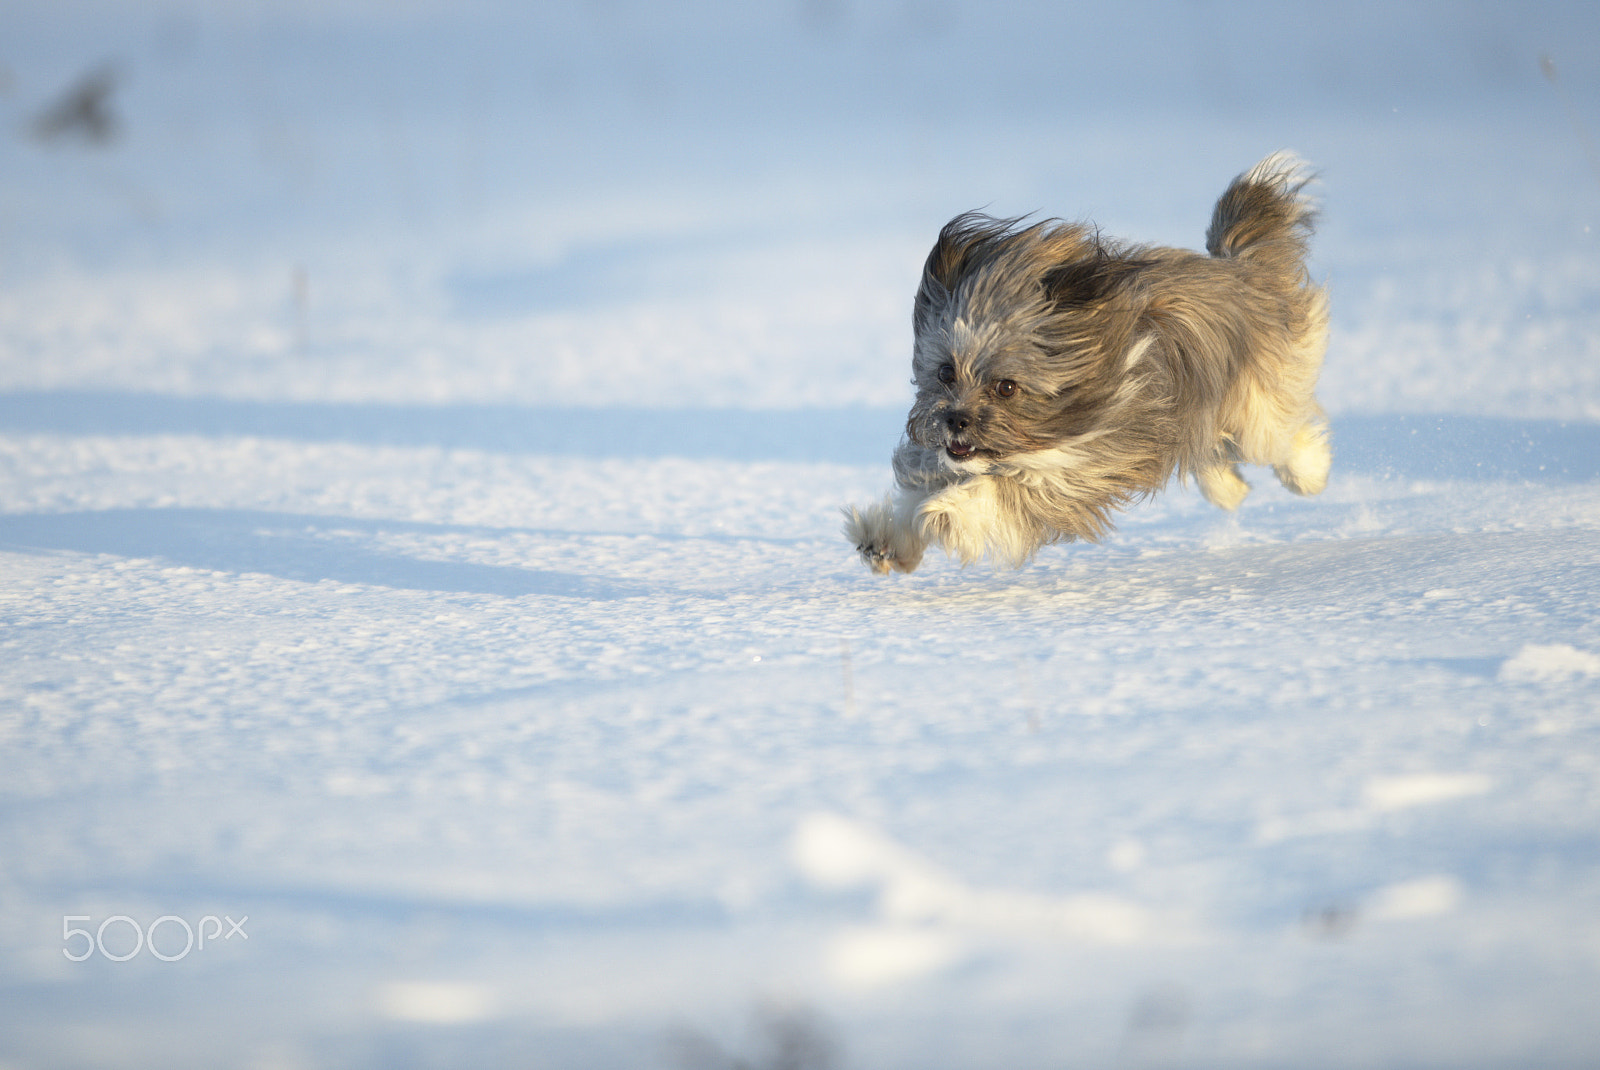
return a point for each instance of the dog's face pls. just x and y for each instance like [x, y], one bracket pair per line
[1020, 336]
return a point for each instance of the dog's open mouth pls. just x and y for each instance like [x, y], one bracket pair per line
[960, 450]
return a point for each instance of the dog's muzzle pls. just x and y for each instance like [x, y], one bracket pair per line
[957, 423]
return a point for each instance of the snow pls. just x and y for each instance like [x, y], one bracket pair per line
[422, 434]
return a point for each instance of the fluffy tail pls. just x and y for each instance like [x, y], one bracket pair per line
[1265, 213]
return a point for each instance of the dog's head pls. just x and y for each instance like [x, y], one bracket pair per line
[1023, 336]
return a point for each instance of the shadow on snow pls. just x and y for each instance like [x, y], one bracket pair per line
[305, 548]
[1444, 447]
[847, 436]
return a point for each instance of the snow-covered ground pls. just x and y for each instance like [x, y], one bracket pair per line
[422, 428]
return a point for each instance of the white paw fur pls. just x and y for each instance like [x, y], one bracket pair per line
[885, 536]
[1223, 486]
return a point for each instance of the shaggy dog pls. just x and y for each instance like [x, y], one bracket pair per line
[1061, 376]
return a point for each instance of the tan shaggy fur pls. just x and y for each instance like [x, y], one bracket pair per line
[1061, 376]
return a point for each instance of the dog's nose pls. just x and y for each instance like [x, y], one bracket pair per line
[957, 422]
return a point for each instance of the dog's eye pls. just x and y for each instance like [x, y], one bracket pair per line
[947, 373]
[1004, 388]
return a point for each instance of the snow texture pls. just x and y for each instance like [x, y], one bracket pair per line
[422, 433]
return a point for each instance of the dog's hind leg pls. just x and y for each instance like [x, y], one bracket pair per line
[1305, 469]
[1222, 484]
[1310, 456]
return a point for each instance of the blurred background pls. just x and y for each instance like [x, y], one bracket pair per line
[415, 199]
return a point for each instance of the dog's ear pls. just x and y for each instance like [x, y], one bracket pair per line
[1090, 277]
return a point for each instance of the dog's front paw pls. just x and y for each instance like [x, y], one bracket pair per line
[876, 558]
[884, 545]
